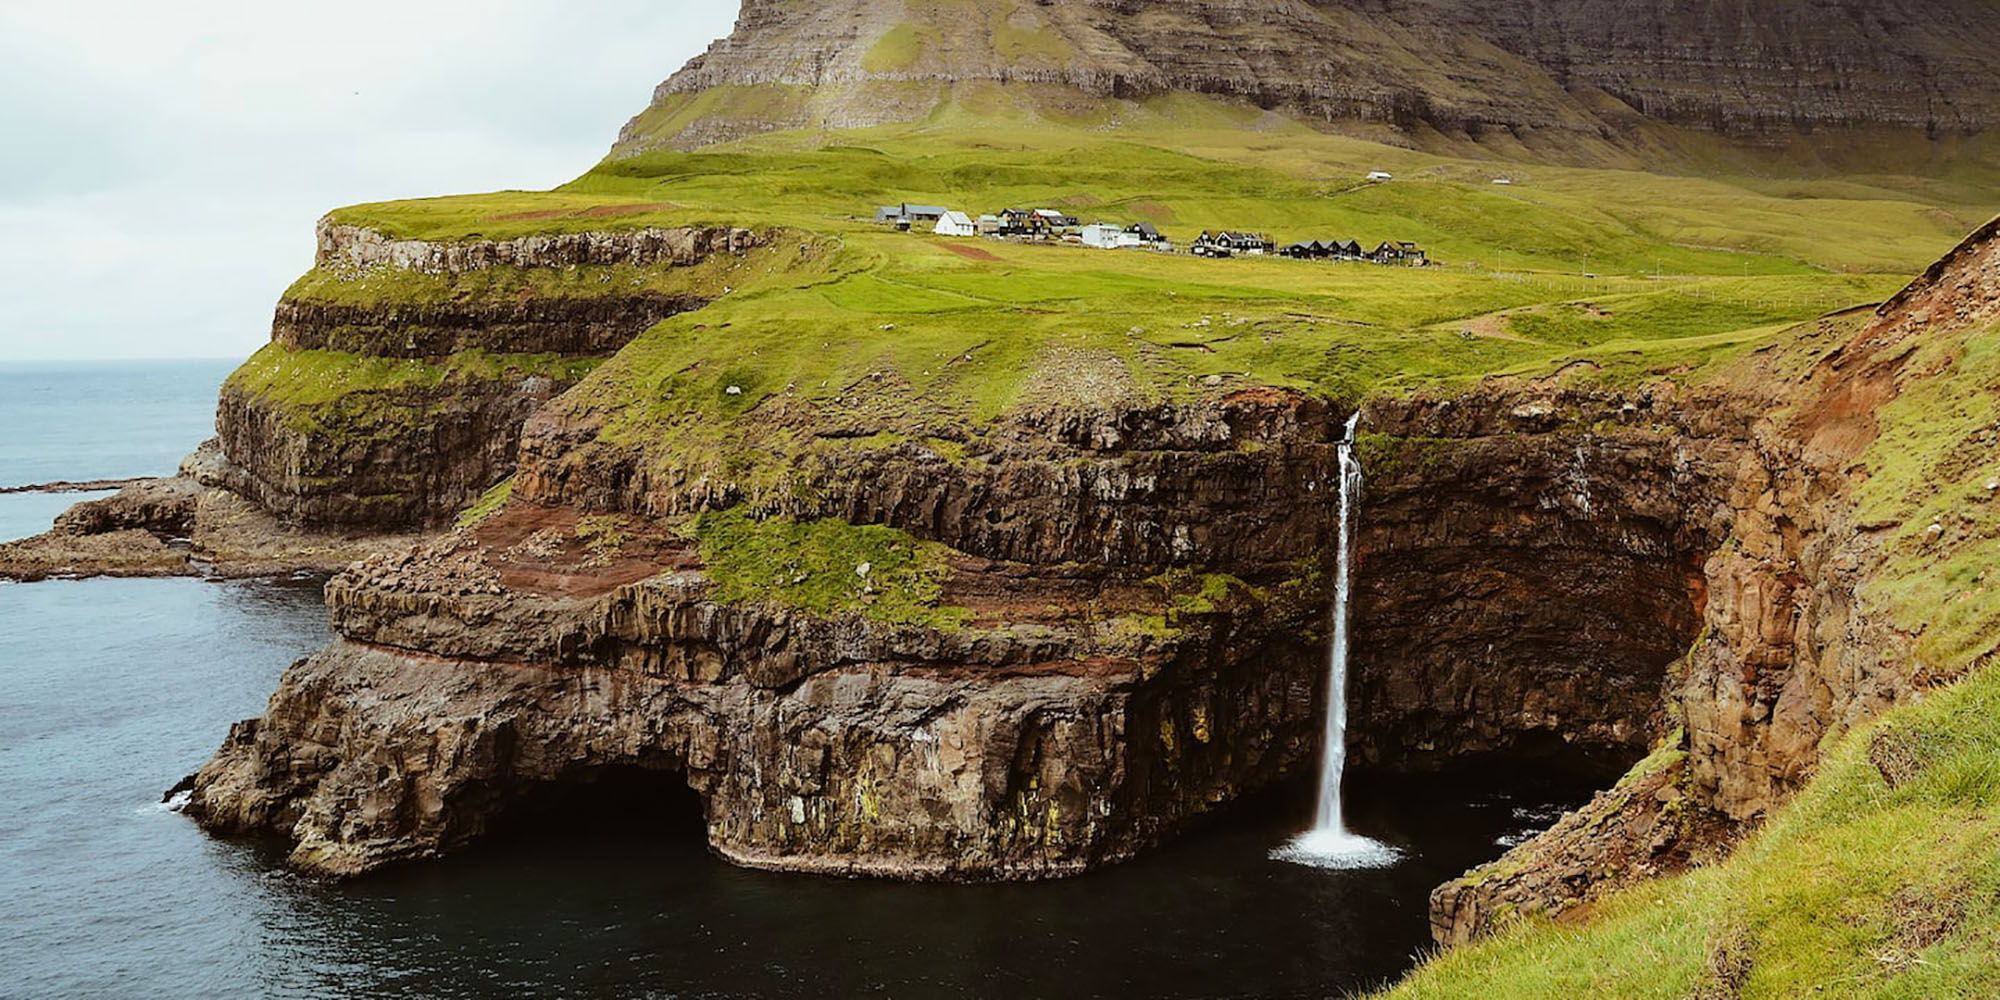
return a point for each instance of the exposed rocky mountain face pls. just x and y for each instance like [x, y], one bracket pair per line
[1793, 649]
[412, 452]
[1585, 68]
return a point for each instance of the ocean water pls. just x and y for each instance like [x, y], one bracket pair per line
[78, 422]
[112, 690]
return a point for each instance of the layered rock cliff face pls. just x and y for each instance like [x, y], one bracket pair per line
[1008, 749]
[1594, 68]
[1530, 566]
[1800, 640]
[1083, 712]
[401, 371]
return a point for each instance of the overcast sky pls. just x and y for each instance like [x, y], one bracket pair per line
[162, 163]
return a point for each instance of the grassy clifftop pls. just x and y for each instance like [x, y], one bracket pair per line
[1633, 275]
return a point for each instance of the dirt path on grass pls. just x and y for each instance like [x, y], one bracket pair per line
[969, 253]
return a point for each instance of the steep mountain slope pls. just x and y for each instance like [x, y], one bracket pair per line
[1552, 73]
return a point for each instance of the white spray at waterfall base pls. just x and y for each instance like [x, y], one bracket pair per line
[1329, 844]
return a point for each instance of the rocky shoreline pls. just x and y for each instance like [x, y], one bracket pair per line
[190, 524]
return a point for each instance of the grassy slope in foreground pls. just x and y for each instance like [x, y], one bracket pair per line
[1855, 890]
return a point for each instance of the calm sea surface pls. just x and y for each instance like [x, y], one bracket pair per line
[110, 691]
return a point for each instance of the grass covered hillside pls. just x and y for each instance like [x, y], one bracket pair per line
[903, 333]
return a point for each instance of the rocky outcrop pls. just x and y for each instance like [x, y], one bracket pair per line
[392, 453]
[593, 327]
[1217, 484]
[379, 458]
[360, 248]
[832, 745]
[1648, 825]
[1585, 69]
[1793, 653]
[187, 525]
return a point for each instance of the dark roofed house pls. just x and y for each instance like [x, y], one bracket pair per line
[1312, 249]
[1229, 244]
[1057, 220]
[1146, 232]
[1401, 252]
[905, 215]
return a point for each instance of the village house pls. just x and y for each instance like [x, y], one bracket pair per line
[1021, 222]
[1399, 252]
[1057, 221]
[989, 225]
[1308, 250]
[1148, 235]
[1108, 237]
[1230, 244]
[954, 223]
[906, 215]
[1325, 250]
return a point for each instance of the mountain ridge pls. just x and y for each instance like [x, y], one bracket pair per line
[1568, 70]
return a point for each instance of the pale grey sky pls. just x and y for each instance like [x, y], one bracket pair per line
[162, 164]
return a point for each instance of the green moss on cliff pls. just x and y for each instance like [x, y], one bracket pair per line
[487, 505]
[1858, 889]
[304, 380]
[828, 567]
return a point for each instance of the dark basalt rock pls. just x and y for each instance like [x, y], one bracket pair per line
[1019, 747]
[575, 327]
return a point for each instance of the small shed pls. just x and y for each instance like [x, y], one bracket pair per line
[1381, 175]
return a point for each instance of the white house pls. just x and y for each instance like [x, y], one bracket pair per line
[956, 224]
[1109, 237]
[1381, 175]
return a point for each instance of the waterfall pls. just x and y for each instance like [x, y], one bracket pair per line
[1328, 844]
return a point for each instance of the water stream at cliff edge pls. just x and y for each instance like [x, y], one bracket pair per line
[1329, 844]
